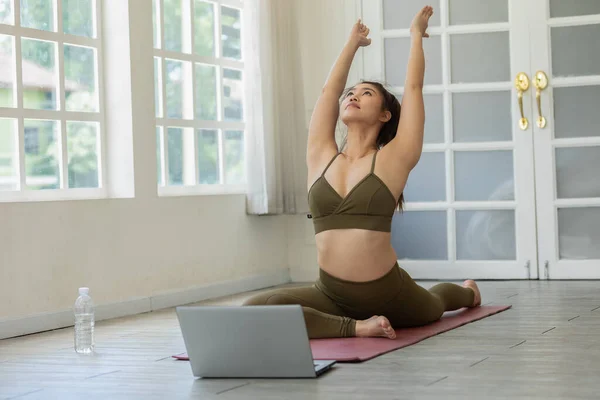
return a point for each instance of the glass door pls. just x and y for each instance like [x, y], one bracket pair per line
[470, 209]
[565, 49]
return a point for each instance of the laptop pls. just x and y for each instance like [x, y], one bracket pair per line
[248, 342]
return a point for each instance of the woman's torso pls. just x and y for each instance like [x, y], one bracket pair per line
[355, 255]
[358, 254]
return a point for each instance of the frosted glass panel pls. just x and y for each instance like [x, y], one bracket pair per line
[481, 117]
[396, 60]
[427, 181]
[480, 57]
[434, 118]
[571, 8]
[579, 233]
[579, 121]
[484, 175]
[399, 15]
[577, 172]
[420, 235]
[485, 235]
[576, 50]
[478, 11]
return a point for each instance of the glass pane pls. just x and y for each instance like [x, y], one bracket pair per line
[208, 156]
[481, 117]
[175, 155]
[397, 15]
[486, 235]
[575, 50]
[156, 23]
[40, 75]
[231, 25]
[78, 17]
[572, 8]
[427, 181]
[7, 15]
[9, 161]
[7, 71]
[42, 154]
[235, 168]
[206, 92]
[80, 78]
[576, 111]
[434, 121]
[159, 171]
[233, 92]
[204, 28]
[577, 172]
[173, 20]
[82, 150]
[158, 87]
[468, 50]
[579, 233]
[396, 60]
[420, 235]
[38, 14]
[464, 12]
[483, 175]
[178, 88]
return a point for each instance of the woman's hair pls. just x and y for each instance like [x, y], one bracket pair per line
[389, 129]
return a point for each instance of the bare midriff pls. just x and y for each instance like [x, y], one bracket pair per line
[356, 255]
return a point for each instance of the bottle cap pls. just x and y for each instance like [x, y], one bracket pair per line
[84, 291]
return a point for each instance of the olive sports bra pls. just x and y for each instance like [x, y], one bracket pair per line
[369, 205]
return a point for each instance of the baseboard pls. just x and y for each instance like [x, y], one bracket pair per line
[176, 298]
[62, 319]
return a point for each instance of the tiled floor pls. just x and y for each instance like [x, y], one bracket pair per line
[546, 347]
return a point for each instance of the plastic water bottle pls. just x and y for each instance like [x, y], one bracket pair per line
[84, 322]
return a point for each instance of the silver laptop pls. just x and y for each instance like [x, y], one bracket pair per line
[248, 342]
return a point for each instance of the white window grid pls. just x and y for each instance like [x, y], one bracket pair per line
[189, 124]
[61, 116]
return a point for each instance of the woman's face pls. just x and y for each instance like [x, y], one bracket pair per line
[363, 103]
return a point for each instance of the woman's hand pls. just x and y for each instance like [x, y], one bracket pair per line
[359, 34]
[421, 22]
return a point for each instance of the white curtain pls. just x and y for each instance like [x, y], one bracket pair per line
[274, 106]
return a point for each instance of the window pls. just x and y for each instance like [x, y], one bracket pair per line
[199, 73]
[51, 114]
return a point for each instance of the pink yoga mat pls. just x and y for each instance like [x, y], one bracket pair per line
[362, 349]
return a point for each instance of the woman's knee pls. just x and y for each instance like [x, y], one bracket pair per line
[254, 301]
[267, 299]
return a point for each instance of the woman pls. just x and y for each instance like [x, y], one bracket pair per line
[353, 194]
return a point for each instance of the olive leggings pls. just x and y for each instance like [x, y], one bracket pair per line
[331, 306]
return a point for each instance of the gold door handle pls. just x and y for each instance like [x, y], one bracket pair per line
[522, 85]
[541, 83]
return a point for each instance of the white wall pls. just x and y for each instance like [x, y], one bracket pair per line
[330, 23]
[129, 248]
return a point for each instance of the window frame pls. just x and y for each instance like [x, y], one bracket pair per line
[191, 126]
[19, 114]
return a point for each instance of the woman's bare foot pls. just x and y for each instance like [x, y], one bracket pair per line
[473, 286]
[376, 326]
